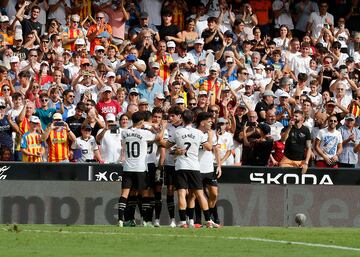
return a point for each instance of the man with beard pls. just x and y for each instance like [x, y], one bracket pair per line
[297, 139]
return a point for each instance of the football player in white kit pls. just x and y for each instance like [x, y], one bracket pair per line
[169, 167]
[208, 176]
[135, 142]
[187, 167]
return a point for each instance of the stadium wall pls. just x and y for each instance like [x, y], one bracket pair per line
[84, 202]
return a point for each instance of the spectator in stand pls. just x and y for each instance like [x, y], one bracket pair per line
[32, 147]
[351, 136]
[45, 113]
[96, 29]
[71, 33]
[109, 138]
[328, 145]
[57, 135]
[169, 31]
[149, 87]
[29, 25]
[75, 121]
[107, 104]
[297, 139]
[128, 76]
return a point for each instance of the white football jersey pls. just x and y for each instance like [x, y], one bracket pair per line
[87, 148]
[169, 135]
[206, 158]
[153, 153]
[191, 139]
[135, 143]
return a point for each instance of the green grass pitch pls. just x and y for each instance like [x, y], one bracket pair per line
[52, 240]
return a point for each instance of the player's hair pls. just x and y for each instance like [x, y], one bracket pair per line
[187, 117]
[175, 110]
[157, 110]
[147, 115]
[202, 116]
[137, 117]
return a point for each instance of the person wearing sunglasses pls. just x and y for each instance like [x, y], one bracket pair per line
[328, 145]
[7, 127]
[45, 113]
[96, 29]
[71, 33]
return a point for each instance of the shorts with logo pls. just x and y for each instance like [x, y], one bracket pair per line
[151, 176]
[134, 180]
[188, 179]
[209, 179]
[169, 173]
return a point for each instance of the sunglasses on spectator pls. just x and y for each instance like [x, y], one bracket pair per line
[337, 47]
[215, 111]
[5, 89]
[44, 100]
[192, 104]
[99, 18]
[333, 121]
[35, 87]
[202, 64]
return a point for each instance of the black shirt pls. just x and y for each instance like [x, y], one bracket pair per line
[28, 26]
[261, 106]
[171, 30]
[214, 44]
[75, 124]
[261, 152]
[295, 144]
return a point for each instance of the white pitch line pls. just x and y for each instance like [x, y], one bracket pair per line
[338, 247]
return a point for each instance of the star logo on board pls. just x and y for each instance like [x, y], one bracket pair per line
[101, 176]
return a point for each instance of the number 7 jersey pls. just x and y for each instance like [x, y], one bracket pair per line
[190, 139]
[135, 143]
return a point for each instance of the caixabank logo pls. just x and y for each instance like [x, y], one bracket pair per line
[107, 176]
[3, 171]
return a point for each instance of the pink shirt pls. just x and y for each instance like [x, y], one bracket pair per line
[117, 22]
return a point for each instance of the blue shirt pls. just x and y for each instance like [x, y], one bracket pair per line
[45, 116]
[198, 57]
[129, 81]
[150, 95]
[284, 122]
[348, 156]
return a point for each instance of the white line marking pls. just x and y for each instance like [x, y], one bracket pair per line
[338, 247]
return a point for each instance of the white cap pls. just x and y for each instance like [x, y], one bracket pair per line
[284, 94]
[134, 90]
[44, 62]
[155, 65]
[80, 41]
[249, 82]
[199, 41]
[203, 93]
[106, 88]
[110, 117]
[221, 120]
[14, 58]
[159, 96]
[34, 119]
[18, 36]
[277, 5]
[75, 17]
[170, 44]
[4, 18]
[180, 101]
[98, 47]
[229, 59]
[110, 74]
[57, 116]
[143, 101]
[215, 66]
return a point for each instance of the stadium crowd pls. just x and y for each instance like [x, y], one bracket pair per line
[279, 78]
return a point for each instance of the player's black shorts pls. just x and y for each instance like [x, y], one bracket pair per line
[169, 173]
[134, 180]
[209, 179]
[188, 179]
[151, 176]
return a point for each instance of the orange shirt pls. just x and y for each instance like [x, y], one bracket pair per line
[261, 8]
[97, 41]
[58, 145]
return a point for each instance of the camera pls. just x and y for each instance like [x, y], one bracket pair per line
[113, 129]
[59, 123]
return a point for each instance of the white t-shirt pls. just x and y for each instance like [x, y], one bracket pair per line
[59, 14]
[191, 139]
[329, 142]
[110, 146]
[135, 141]
[318, 22]
[206, 158]
[226, 143]
[169, 135]
[81, 89]
[87, 147]
[300, 64]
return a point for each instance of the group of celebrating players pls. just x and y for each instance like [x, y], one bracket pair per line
[179, 152]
